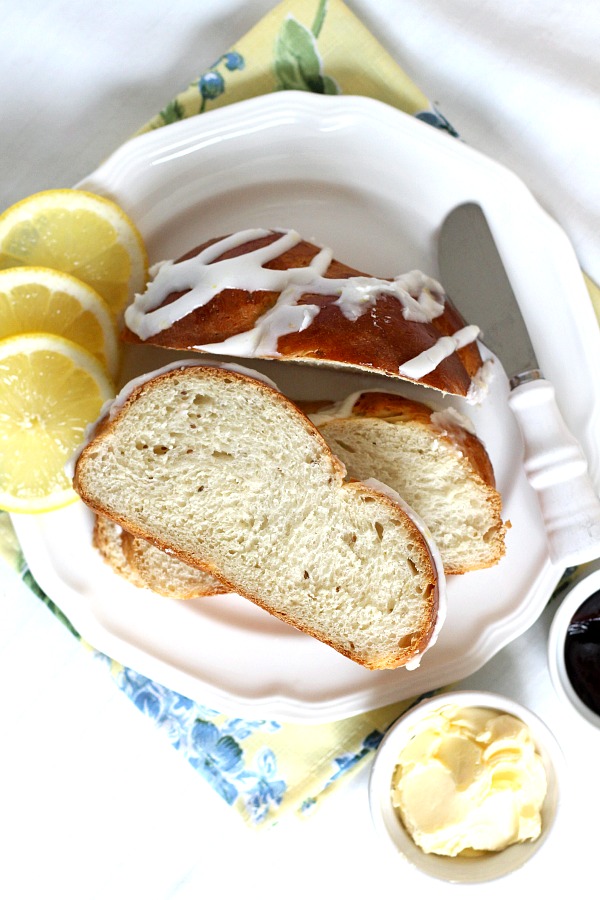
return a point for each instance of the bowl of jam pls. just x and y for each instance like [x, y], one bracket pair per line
[574, 648]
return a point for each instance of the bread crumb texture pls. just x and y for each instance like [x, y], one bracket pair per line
[435, 476]
[227, 474]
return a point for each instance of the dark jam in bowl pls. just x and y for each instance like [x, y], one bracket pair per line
[582, 652]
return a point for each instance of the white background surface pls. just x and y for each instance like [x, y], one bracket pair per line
[94, 802]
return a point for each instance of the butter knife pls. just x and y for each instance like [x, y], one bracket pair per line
[473, 275]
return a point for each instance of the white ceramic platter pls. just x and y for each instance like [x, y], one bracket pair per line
[375, 185]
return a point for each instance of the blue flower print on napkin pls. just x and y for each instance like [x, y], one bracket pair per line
[212, 744]
[212, 83]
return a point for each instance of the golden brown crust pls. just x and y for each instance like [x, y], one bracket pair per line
[381, 340]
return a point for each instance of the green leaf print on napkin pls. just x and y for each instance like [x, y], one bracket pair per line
[33, 586]
[298, 65]
[172, 112]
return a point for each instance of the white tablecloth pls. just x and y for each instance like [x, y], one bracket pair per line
[94, 803]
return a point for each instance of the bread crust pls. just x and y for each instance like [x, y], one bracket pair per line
[431, 603]
[380, 340]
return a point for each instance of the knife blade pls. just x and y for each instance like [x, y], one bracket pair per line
[473, 275]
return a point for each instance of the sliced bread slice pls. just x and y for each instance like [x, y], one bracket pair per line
[226, 473]
[438, 466]
[144, 565]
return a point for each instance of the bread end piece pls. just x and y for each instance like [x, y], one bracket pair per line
[145, 566]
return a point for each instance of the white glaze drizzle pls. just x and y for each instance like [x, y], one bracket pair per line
[203, 278]
[340, 409]
[480, 383]
[447, 420]
[430, 359]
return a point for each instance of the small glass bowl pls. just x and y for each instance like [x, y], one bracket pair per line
[461, 869]
[573, 599]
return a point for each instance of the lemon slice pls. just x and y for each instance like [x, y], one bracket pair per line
[33, 298]
[50, 390]
[79, 233]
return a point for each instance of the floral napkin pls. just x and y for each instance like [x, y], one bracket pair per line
[264, 768]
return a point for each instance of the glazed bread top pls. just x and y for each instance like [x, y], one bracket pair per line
[229, 475]
[270, 294]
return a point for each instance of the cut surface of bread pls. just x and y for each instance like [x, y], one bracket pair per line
[226, 473]
[144, 565]
[438, 467]
[270, 294]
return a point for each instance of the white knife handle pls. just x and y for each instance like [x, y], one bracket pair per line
[557, 470]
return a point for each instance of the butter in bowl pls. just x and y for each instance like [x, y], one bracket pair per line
[466, 786]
